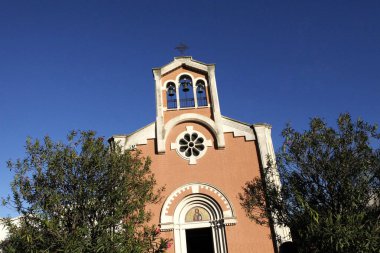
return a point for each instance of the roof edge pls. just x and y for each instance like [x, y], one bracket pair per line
[138, 130]
[178, 58]
[237, 121]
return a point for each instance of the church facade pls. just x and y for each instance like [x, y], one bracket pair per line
[203, 159]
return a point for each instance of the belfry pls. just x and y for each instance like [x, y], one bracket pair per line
[203, 159]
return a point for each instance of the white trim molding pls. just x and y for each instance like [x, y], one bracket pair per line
[188, 117]
[190, 196]
[166, 217]
[239, 129]
[139, 137]
[264, 140]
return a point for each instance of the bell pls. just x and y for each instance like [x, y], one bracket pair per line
[171, 91]
[185, 86]
[200, 89]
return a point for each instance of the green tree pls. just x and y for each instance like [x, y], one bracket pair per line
[330, 187]
[82, 196]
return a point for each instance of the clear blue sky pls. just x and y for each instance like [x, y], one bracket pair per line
[87, 64]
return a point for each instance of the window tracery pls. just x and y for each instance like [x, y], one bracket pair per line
[191, 145]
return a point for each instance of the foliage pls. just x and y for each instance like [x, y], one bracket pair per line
[82, 197]
[330, 187]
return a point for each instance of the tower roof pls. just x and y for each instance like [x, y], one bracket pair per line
[181, 61]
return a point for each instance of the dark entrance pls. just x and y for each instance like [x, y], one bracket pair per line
[199, 240]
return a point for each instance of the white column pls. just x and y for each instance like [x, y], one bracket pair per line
[159, 113]
[216, 106]
[264, 140]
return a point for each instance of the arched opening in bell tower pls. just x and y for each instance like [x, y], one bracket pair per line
[171, 95]
[201, 93]
[186, 92]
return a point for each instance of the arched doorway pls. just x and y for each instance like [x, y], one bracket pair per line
[197, 213]
[199, 240]
[199, 225]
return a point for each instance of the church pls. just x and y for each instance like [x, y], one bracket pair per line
[203, 159]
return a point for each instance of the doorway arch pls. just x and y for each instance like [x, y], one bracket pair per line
[214, 212]
[212, 220]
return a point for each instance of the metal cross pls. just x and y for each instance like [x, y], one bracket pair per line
[181, 48]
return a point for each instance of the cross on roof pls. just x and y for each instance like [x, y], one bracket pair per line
[181, 48]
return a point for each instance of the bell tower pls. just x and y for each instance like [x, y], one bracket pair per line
[186, 91]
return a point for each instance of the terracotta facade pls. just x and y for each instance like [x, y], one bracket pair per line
[204, 173]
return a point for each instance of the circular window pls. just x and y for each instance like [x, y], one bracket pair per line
[191, 145]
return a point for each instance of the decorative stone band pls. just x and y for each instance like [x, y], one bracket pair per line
[201, 193]
[239, 129]
[141, 136]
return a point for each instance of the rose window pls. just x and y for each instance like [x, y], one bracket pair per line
[191, 145]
